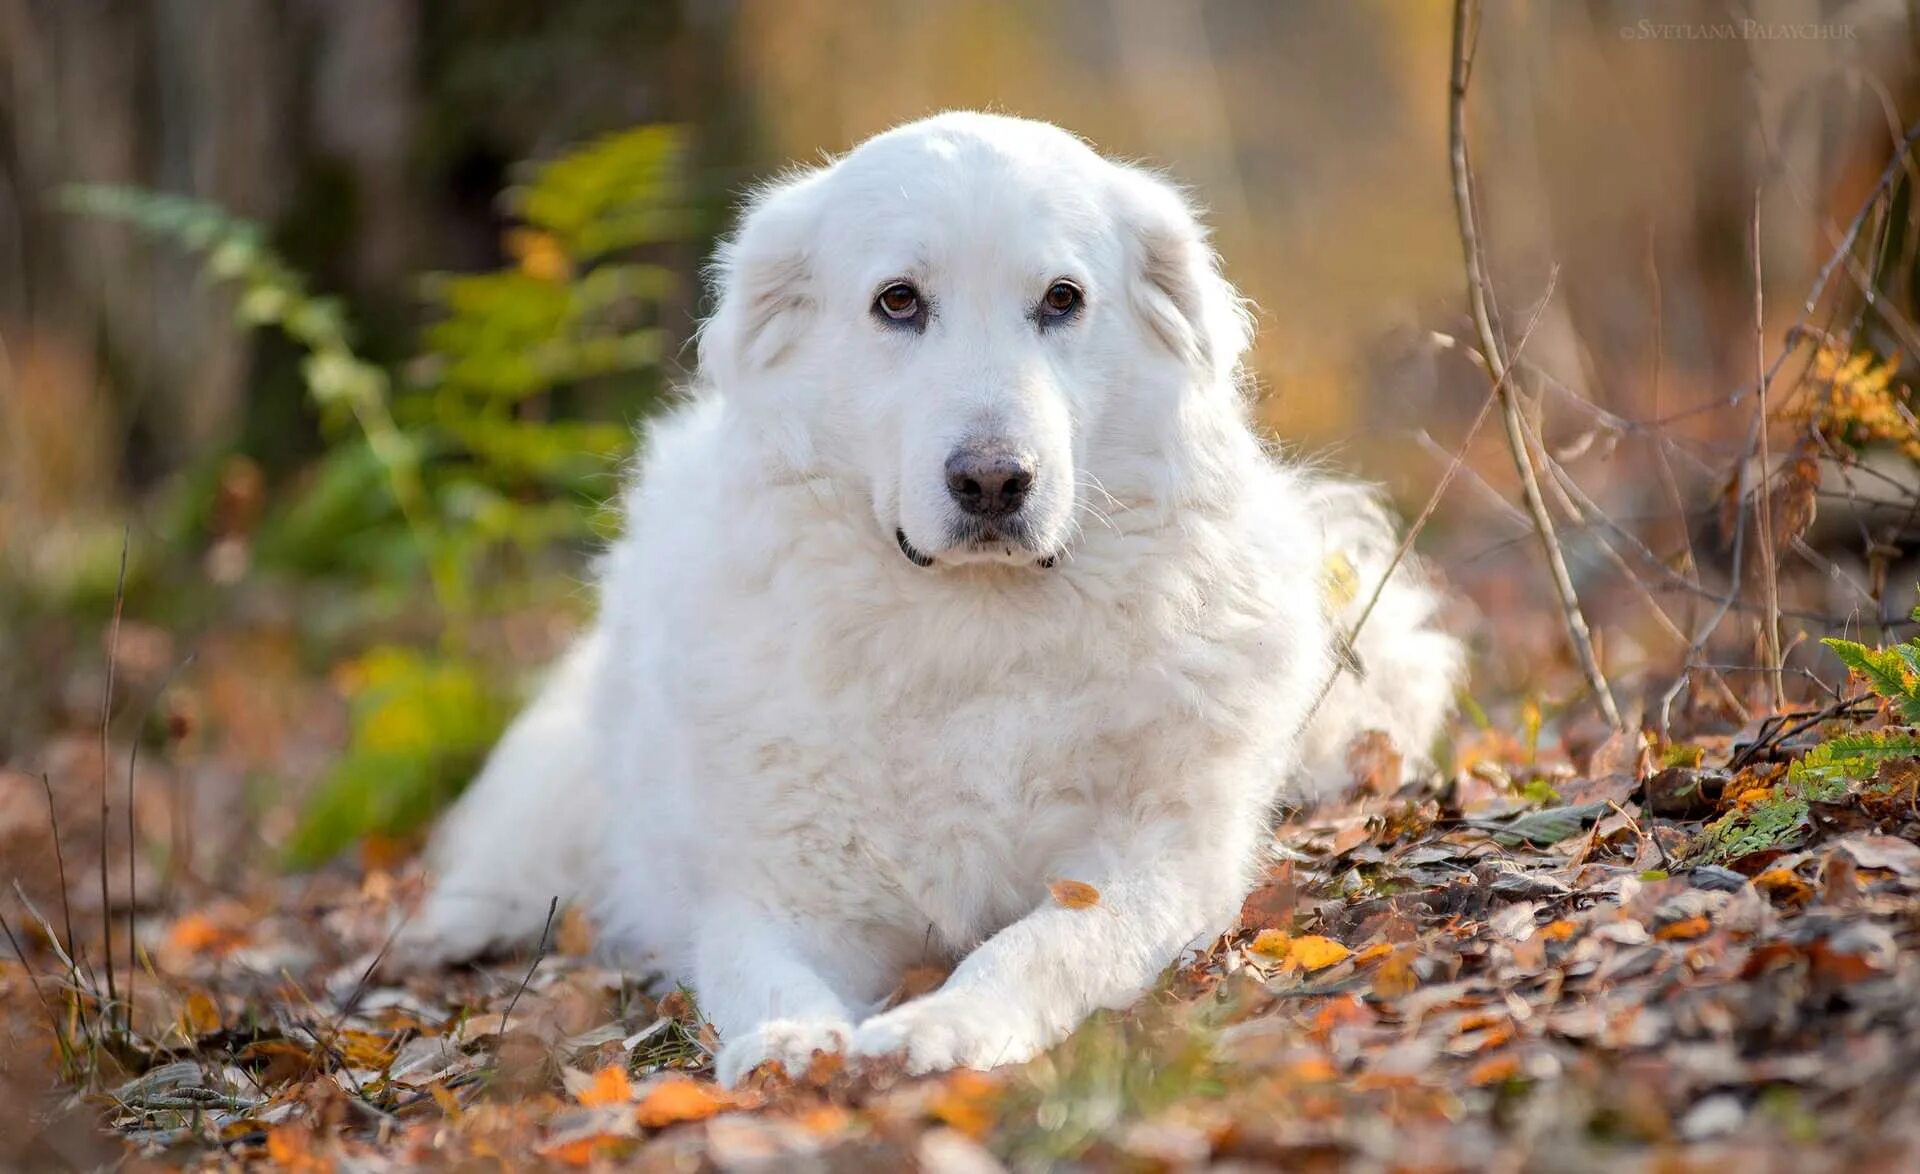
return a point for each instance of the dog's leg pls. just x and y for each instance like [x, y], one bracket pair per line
[1030, 984]
[767, 1001]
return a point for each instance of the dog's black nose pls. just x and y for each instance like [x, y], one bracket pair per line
[989, 481]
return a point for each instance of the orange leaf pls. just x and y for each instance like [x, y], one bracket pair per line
[610, 1087]
[575, 936]
[1272, 944]
[196, 933]
[201, 1015]
[825, 1121]
[1395, 978]
[679, 1099]
[1313, 1070]
[969, 1102]
[584, 1151]
[1073, 894]
[1494, 1070]
[290, 1147]
[1556, 931]
[1785, 885]
[1692, 927]
[1314, 952]
[1372, 953]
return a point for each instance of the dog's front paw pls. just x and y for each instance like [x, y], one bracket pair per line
[793, 1042]
[943, 1030]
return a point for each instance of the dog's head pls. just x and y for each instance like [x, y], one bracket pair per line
[984, 326]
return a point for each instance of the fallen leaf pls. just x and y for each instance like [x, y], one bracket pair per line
[1784, 885]
[1271, 906]
[969, 1102]
[1314, 952]
[1272, 944]
[201, 1015]
[1395, 977]
[1557, 931]
[1682, 930]
[196, 933]
[1313, 1070]
[609, 1086]
[678, 1098]
[1494, 1070]
[290, 1147]
[1373, 762]
[1372, 954]
[1073, 894]
[1885, 852]
[575, 936]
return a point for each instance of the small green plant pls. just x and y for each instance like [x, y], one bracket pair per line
[1779, 817]
[1892, 673]
[496, 444]
[1894, 676]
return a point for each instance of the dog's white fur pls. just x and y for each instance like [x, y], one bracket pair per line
[788, 763]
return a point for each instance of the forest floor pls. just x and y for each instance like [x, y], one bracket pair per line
[1561, 958]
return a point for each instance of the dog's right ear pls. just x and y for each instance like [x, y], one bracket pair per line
[761, 282]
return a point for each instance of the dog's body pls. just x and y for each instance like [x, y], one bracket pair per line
[963, 574]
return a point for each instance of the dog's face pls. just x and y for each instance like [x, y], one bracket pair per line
[980, 323]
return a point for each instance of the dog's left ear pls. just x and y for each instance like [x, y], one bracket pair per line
[1178, 288]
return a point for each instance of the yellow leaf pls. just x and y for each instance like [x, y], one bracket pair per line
[201, 1015]
[449, 1104]
[609, 1087]
[1273, 944]
[1073, 894]
[1314, 952]
[1339, 583]
[364, 1049]
[679, 1099]
[1372, 953]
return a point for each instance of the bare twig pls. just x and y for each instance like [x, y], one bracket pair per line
[1769, 572]
[324, 1046]
[1344, 662]
[539, 953]
[1579, 636]
[106, 769]
[133, 889]
[33, 977]
[59, 858]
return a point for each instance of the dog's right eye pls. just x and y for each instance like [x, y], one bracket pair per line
[899, 302]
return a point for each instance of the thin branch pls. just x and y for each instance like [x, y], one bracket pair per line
[1579, 636]
[1348, 657]
[33, 977]
[106, 770]
[539, 953]
[1769, 571]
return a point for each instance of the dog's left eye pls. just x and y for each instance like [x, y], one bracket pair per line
[1063, 298]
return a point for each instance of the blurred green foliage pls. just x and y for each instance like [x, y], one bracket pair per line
[496, 444]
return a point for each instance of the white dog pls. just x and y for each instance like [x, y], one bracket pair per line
[962, 573]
